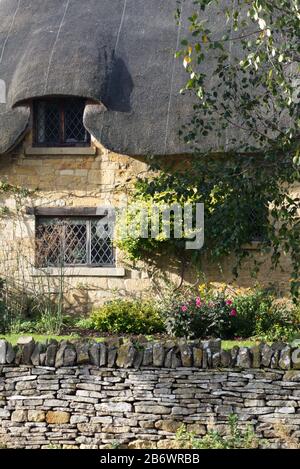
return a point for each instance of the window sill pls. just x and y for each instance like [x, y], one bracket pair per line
[80, 272]
[48, 151]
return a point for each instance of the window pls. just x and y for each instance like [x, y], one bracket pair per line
[258, 219]
[73, 241]
[59, 122]
[253, 221]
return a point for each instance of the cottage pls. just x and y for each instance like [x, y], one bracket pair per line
[91, 89]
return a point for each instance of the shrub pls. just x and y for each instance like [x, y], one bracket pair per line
[260, 316]
[280, 333]
[254, 310]
[229, 313]
[128, 316]
[195, 317]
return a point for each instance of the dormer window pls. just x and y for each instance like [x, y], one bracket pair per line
[59, 123]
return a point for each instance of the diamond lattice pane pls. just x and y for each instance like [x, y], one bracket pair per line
[49, 244]
[102, 252]
[48, 123]
[61, 242]
[75, 251]
[72, 241]
[74, 128]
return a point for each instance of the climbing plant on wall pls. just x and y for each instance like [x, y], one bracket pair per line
[244, 80]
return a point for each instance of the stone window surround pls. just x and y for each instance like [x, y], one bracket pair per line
[60, 151]
[79, 271]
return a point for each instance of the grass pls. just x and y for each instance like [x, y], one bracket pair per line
[229, 344]
[13, 338]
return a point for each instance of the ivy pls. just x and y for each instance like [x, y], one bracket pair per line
[17, 192]
[246, 189]
[7, 188]
[245, 87]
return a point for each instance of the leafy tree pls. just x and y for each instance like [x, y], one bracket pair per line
[254, 64]
[244, 82]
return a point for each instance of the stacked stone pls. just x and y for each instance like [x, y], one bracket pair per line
[168, 354]
[90, 407]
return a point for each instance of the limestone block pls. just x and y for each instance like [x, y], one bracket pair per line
[3, 348]
[19, 416]
[57, 417]
[36, 416]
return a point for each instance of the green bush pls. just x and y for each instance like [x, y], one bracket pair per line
[259, 316]
[128, 316]
[253, 308]
[280, 333]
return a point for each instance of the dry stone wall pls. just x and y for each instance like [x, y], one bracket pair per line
[94, 396]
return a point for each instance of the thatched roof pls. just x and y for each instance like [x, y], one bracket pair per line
[116, 52]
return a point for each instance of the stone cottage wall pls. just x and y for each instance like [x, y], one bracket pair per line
[96, 178]
[103, 395]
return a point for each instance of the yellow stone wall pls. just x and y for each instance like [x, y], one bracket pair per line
[90, 181]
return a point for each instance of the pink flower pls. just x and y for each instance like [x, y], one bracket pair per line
[228, 302]
[198, 301]
[183, 308]
[233, 313]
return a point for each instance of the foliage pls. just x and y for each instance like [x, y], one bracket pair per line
[195, 317]
[7, 188]
[46, 323]
[115, 444]
[44, 319]
[3, 318]
[254, 98]
[128, 316]
[84, 323]
[260, 316]
[235, 209]
[22, 311]
[27, 304]
[236, 439]
[279, 332]
[246, 190]
[254, 307]
[254, 60]
[228, 314]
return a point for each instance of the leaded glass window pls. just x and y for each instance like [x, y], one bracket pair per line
[72, 241]
[59, 122]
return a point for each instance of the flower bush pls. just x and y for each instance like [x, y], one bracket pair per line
[225, 312]
[196, 317]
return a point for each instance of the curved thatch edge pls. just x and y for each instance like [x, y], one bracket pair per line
[13, 125]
